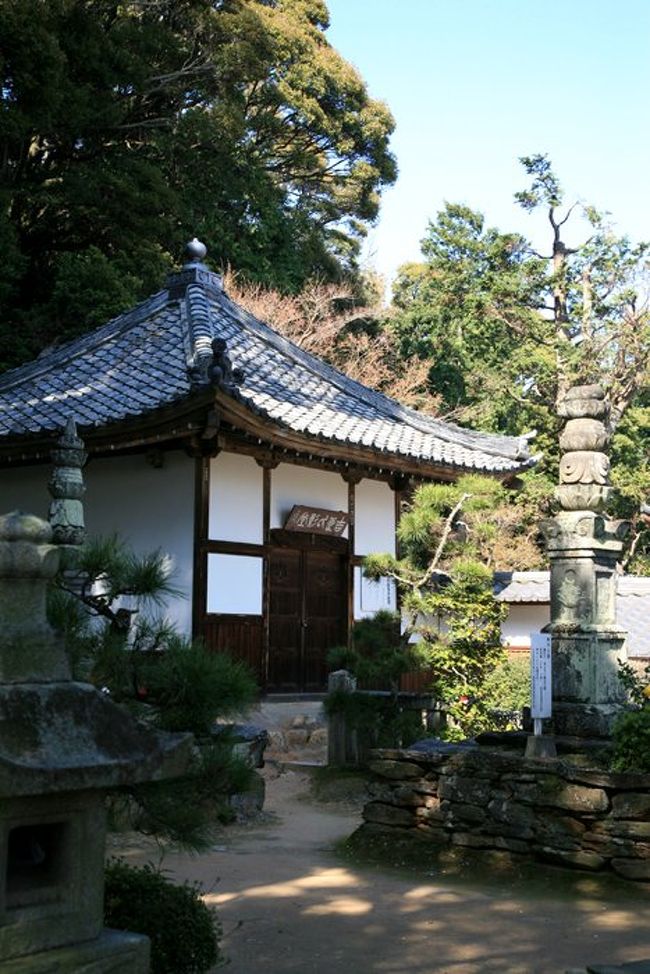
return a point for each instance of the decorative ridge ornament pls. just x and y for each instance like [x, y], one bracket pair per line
[220, 371]
[194, 271]
[196, 252]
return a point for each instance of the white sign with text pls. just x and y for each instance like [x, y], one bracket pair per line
[541, 675]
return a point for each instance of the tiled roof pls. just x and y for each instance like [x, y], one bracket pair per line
[632, 601]
[522, 586]
[160, 353]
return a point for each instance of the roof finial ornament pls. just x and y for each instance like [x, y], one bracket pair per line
[195, 251]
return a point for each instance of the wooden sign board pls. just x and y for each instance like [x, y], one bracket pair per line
[315, 520]
[541, 675]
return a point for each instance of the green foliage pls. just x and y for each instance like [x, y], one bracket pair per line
[185, 811]
[466, 309]
[189, 687]
[507, 687]
[631, 478]
[448, 539]
[631, 733]
[636, 686]
[100, 606]
[107, 570]
[506, 331]
[184, 932]
[545, 189]
[377, 656]
[631, 742]
[461, 628]
[118, 122]
[380, 721]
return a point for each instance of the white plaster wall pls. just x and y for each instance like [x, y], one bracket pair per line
[374, 518]
[522, 619]
[236, 503]
[291, 485]
[370, 597]
[25, 489]
[235, 584]
[149, 508]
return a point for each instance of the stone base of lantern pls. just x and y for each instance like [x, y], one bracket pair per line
[113, 952]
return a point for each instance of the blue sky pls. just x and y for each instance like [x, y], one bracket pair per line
[474, 84]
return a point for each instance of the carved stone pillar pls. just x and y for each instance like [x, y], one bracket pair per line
[584, 546]
[66, 486]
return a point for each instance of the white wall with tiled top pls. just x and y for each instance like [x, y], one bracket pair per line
[522, 620]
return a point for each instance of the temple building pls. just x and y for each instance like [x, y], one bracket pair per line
[264, 474]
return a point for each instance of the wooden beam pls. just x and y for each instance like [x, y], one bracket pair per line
[351, 531]
[266, 570]
[304, 539]
[234, 548]
[201, 515]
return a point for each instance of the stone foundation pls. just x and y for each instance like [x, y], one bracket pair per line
[484, 799]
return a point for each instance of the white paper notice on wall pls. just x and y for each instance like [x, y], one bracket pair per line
[376, 595]
[541, 675]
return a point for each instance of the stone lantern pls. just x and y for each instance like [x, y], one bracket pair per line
[584, 546]
[62, 746]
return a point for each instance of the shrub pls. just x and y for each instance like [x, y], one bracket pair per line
[190, 686]
[631, 741]
[635, 684]
[101, 606]
[184, 932]
[380, 721]
[508, 686]
[378, 656]
[185, 811]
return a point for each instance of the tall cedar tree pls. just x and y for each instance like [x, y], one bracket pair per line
[506, 330]
[128, 128]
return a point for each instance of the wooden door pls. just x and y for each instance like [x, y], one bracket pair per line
[307, 617]
[285, 620]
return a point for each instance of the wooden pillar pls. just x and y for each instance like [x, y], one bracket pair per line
[352, 478]
[267, 464]
[201, 520]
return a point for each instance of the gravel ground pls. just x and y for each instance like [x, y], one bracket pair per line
[289, 905]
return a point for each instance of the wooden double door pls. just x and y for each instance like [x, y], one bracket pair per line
[308, 615]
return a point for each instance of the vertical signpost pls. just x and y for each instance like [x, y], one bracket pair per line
[541, 694]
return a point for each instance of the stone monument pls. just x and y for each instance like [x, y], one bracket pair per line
[62, 746]
[584, 546]
[67, 488]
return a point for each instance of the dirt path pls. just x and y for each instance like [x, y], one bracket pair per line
[289, 907]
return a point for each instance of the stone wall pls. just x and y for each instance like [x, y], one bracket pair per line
[486, 799]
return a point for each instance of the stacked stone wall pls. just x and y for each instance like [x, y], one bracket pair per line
[542, 810]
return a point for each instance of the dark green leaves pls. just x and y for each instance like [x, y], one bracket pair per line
[128, 129]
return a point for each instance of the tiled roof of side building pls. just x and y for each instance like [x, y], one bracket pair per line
[632, 601]
[157, 355]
